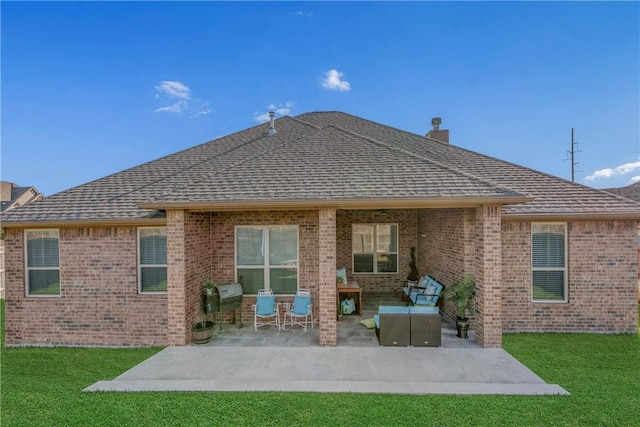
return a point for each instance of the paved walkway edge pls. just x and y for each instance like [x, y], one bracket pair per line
[328, 387]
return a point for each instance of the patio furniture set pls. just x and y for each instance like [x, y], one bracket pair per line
[266, 311]
[416, 325]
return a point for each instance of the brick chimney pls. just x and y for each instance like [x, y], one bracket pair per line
[436, 133]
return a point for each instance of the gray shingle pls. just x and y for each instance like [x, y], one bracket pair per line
[320, 156]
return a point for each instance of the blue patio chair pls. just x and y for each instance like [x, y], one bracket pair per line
[300, 312]
[266, 311]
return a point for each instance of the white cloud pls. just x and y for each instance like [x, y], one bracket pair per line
[634, 179]
[174, 89]
[177, 108]
[333, 81]
[281, 110]
[179, 99]
[611, 172]
[301, 13]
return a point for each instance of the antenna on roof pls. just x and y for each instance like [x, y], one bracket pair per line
[272, 126]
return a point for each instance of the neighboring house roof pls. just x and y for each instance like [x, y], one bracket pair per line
[321, 159]
[630, 191]
[12, 195]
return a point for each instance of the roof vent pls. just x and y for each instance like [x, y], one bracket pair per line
[436, 122]
[272, 126]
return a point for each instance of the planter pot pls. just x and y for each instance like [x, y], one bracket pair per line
[202, 335]
[463, 327]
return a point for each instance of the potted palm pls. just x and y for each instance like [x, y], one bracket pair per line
[462, 294]
[208, 286]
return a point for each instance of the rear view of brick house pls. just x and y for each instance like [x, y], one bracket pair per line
[120, 261]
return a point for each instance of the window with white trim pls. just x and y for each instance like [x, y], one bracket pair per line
[375, 248]
[267, 258]
[549, 262]
[152, 260]
[42, 258]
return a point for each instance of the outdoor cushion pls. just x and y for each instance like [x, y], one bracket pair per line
[423, 281]
[301, 305]
[265, 305]
[369, 323]
[392, 309]
[430, 289]
[424, 298]
[419, 309]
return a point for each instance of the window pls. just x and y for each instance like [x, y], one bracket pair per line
[549, 262]
[43, 262]
[1, 268]
[152, 255]
[375, 248]
[267, 258]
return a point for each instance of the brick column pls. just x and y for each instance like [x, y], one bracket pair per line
[177, 331]
[327, 277]
[488, 268]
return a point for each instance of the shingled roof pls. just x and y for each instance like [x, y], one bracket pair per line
[320, 159]
[630, 191]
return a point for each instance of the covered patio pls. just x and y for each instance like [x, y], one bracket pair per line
[351, 333]
[239, 359]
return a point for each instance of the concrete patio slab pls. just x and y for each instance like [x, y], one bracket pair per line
[332, 369]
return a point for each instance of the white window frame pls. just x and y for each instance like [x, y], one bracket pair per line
[27, 268]
[2, 267]
[265, 266]
[564, 270]
[375, 246]
[141, 266]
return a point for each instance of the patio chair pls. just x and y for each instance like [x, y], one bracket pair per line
[266, 311]
[300, 312]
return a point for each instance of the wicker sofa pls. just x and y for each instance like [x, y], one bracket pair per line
[408, 326]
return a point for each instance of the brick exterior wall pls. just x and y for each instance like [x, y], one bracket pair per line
[406, 220]
[447, 250]
[488, 263]
[602, 287]
[465, 241]
[223, 250]
[99, 303]
[328, 335]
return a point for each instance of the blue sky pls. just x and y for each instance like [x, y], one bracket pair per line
[89, 89]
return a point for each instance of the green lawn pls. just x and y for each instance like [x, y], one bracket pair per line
[43, 387]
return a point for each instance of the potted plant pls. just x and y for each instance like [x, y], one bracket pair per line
[413, 274]
[208, 286]
[202, 330]
[462, 293]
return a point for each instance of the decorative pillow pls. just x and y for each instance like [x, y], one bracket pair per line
[369, 323]
[431, 289]
[423, 281]
[301, 305]
[342, 273]
[265, 305]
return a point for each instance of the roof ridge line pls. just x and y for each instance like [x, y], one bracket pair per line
[244, 160]
[418, 156]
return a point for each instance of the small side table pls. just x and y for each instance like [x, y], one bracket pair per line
[351, 287]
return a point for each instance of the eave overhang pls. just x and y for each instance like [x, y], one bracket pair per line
[346, 204]
[86, 223]
[591, 216]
